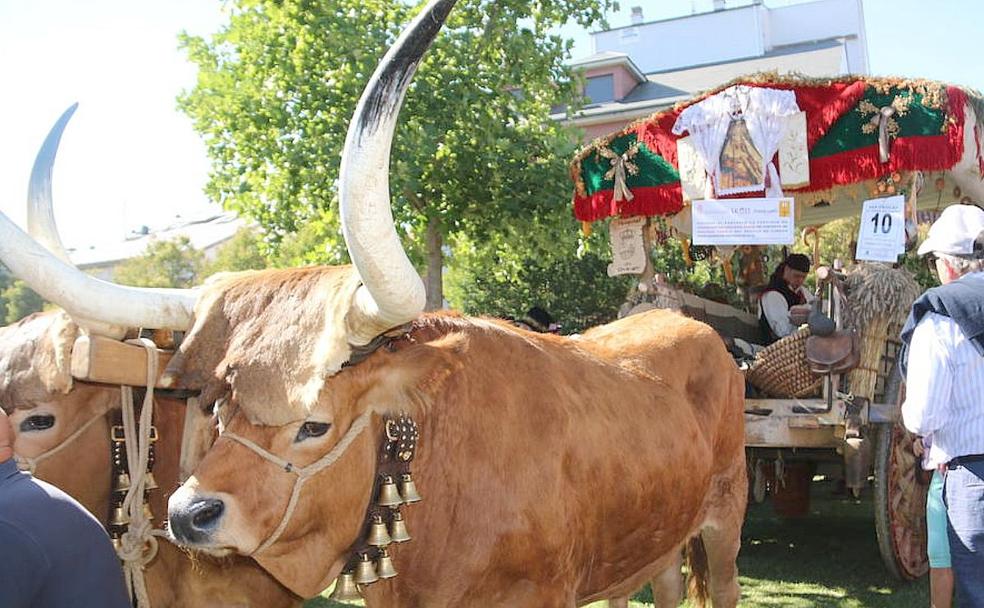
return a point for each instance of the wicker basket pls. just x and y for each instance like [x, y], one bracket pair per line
[781, 369]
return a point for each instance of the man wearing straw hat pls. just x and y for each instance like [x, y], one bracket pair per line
[942, 358]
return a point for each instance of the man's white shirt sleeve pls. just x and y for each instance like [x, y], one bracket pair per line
[929, 380]
[776, 312]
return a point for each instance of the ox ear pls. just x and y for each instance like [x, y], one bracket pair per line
[35, 356]
[407, 379]
[55, 364]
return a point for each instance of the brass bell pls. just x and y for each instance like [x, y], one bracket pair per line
[150, 483]
[122, 482]
[117, 544]
[119, 518]
[147, 512]
[398, 529]
[378, 535]
[408, 490]
[384, 565]
[345, 589]
[365, 572]
[388, 495]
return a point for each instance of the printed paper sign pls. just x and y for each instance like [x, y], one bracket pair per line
[744, 221]
[628, 249]
[881, 237]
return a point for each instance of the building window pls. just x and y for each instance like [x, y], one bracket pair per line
[600, 89]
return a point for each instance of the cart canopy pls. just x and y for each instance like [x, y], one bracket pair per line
[829, 143]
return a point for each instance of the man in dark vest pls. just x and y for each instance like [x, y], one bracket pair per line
[942, 357]
[784, 304]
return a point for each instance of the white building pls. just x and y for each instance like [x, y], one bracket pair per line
[643, 67]
[206, 234]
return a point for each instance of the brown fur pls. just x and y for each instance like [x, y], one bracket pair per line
[554, 471]
[83, 468]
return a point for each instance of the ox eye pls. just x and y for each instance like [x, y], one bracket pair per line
[311, 429]
[37, 423]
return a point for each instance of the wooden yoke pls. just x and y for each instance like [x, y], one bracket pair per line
[108, 361]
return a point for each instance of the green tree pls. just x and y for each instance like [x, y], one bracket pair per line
[506, 275]
[476, 149]
[19, 300]
[5, 280]
[244, 251]
[171, 263]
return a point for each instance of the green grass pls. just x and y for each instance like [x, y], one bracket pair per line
[827, 560]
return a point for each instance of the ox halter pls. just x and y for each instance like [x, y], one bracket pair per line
[30, 463]
[303, 473]
[396, 453]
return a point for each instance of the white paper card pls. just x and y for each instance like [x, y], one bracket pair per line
[794, 157]
[744, 221]
[628, 249]
[693, 172]
[881, 237]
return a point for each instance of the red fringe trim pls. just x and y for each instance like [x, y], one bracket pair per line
[653, 200]
[916, 153]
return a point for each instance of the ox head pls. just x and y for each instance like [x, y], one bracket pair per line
[47, 410]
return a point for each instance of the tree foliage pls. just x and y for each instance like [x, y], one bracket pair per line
[476, 150]
[18, 300]
[170, 263]
[505, 277]
[244, 251]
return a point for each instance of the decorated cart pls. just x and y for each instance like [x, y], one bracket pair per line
[761, 161]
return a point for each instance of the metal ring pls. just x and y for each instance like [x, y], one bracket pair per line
[392, 430]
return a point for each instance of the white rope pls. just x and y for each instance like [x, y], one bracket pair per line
[303, 473]
[138, 545]
[26, 463]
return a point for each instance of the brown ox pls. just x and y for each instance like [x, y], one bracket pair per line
[555, 471]
[46, 407]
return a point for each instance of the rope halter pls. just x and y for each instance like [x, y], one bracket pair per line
[30, 464]
[303, 473]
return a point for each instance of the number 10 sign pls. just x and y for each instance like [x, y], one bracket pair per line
[881, 237]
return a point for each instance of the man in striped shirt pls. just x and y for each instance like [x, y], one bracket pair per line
[943, 361]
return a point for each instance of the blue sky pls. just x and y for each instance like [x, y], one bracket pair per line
[130, 158]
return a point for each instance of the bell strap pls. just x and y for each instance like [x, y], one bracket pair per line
[303, 473]
[138, 545]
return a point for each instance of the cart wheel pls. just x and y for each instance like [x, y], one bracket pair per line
[900, 500]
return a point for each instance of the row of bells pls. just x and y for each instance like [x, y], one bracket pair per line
[121, 483]
[390, 496]
[366, 572]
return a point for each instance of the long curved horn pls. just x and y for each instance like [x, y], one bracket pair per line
[392, 292]
[99, 305]
[40, 212]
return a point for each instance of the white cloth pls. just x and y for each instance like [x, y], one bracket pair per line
[945, 389]
[776, 311]
[764, 111]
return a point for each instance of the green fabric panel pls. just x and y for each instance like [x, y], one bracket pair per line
[845, 134]
[654, 170]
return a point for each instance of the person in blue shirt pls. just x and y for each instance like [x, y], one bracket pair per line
[53, 553]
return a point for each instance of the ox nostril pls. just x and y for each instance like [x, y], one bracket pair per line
[205, 513]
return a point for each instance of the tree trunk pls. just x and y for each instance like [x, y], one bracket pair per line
[435, 263]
